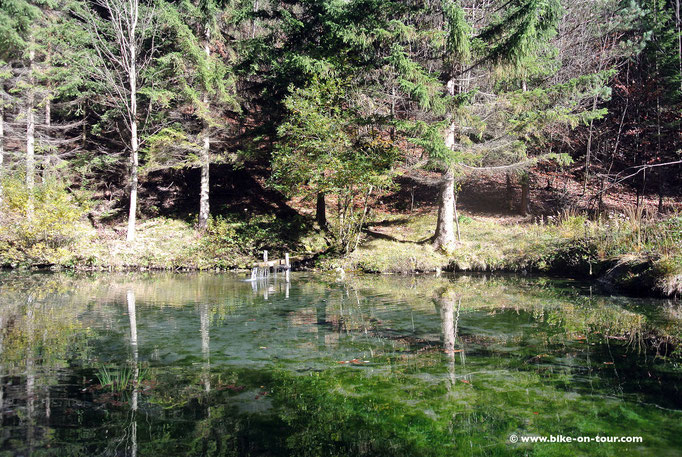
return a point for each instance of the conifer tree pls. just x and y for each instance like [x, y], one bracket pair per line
[19, 49]
[38, 52]
[491, 110]
[198, 60]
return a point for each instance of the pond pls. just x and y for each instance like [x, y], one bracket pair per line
[211, 364]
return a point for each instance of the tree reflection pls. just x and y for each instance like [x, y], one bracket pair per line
[205, 346]
[449, 303]
[132, 315]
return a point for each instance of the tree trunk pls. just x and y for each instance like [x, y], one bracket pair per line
[2, 147]
[204, 208]
[48, 122]
[661, 191]
[510, 193]
[678, 26]
[132, 214]
[524, 209]
[253, 20]
[48, 112]
[459, 236]
[444, 237]
[30, 135]
[588, 151]
[321, 211]
[204, 204]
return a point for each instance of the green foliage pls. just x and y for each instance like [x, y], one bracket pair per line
[121, 379]
[16, 19]
[42, 237]
[231, 240]
[458, 31]
[171, 147]
[519, 35]
[324, 149]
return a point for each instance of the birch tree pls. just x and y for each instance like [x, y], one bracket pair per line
[123, 56]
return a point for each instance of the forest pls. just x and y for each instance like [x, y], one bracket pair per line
[392, 136]
[381, 228]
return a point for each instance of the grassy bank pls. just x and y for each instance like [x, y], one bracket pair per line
[55, 230]
[634, 252]
[628, 252]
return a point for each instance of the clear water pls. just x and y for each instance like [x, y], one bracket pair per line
[208, 365]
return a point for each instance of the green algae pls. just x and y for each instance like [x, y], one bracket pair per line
[323, 366]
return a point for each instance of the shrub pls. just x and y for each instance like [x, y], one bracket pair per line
[231, 237]
[37, 229]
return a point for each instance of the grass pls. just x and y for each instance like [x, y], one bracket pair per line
[120, 380]
[633, 251]
[487, 244]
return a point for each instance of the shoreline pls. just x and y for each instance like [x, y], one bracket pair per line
[631, 276]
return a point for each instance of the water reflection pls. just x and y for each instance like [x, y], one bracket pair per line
[219, 365]
[205, 346]
[132, 315]
[450, 304]
[270, 284]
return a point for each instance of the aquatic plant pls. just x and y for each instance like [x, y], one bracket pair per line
[120, 379]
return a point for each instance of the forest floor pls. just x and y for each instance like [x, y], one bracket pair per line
[630, 247]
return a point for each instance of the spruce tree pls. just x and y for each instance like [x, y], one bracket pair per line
[38, 78]
[491, 107]
[198, 60]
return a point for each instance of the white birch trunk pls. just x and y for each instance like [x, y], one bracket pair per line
[30, 135]
[204, 204]
[134, 142]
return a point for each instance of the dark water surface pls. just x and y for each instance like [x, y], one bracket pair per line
[208, 364]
